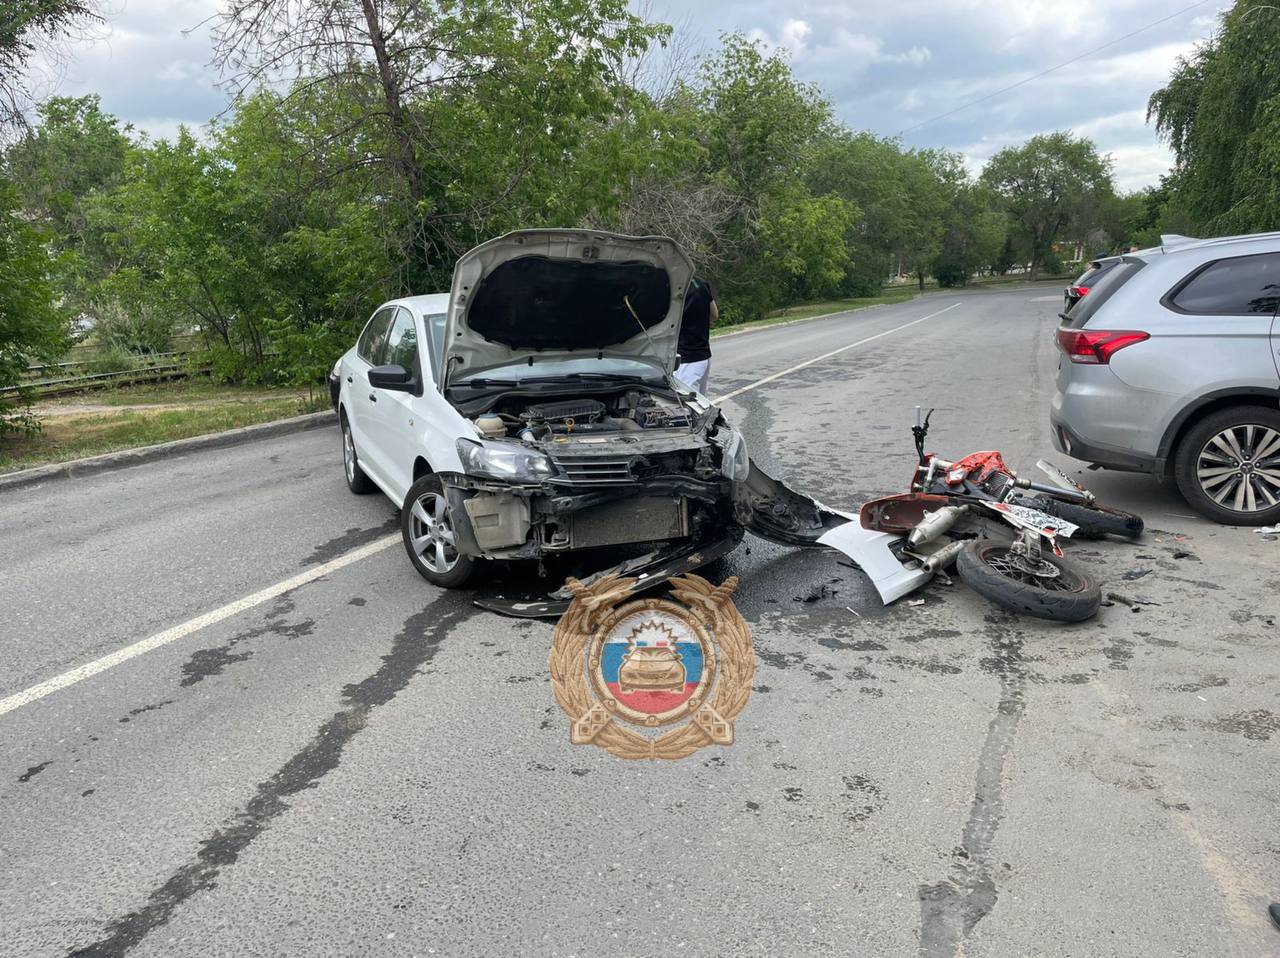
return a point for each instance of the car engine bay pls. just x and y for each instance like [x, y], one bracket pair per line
[514, 417]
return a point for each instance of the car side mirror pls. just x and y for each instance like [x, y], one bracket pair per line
[393, 378]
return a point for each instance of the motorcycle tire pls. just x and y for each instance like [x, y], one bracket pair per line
[986, 566]
[1094, 523]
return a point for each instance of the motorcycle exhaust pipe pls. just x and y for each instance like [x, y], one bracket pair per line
[935, 524]
[942, 558]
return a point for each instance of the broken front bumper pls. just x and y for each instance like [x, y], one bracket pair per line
[690, 523]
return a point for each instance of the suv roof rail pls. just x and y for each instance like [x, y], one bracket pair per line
[1171, 243]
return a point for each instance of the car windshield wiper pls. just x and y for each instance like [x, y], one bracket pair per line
[480, 383]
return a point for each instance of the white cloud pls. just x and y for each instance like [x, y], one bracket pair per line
[885, 67]
[793, 35]
[1136, 167]
[915, 56]
[851, 49]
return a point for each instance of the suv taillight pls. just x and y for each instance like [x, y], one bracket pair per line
[1096, 346]
[1082, 291]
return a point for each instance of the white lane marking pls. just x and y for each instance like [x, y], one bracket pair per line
[834, 352]
[90, 669]
[1045, 299]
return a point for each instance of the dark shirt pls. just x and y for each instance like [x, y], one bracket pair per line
[695, 325]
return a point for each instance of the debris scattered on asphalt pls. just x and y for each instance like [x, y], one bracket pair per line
[1135, 574]
[1183, 555]
[817, 592]
[854, 611]
[1270, 533]
[915, 602]
[1135, 604]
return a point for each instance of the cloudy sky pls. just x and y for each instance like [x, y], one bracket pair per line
[887, 65]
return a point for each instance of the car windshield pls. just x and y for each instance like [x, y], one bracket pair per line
[526, 372]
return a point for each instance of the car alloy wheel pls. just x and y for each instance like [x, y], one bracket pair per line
[432, 534]
[1239, 468]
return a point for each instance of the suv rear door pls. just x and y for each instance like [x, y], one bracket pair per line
[1224, 312]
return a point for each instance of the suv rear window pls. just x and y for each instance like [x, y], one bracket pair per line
[1095, 272]
[1104, 288]
[1239, 286]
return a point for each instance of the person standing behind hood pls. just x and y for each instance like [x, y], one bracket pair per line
[700, 311]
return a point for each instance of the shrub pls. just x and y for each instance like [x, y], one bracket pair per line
[139, 330]
[951, 274]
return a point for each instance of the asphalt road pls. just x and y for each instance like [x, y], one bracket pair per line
[364, 765]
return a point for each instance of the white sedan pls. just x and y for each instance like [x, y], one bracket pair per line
[531, 411]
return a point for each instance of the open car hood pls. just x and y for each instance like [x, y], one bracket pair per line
[550, 295]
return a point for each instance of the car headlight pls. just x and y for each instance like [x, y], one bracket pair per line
[736, 462]
[503, 461]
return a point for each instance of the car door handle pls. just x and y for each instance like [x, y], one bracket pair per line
[373, 397]
[348, 379]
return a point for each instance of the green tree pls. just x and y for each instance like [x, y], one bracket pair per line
[802, 244]
[32, 326]
[1220, 112]
[461, 118]
[28, 27]
[758, 127]
[973, 237]
[1046, 185]
[902, 198]
[75, 153]
[189, 245]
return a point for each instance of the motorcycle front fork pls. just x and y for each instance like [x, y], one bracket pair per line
[1027, 545]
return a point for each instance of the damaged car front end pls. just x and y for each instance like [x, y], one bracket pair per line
[558, 351]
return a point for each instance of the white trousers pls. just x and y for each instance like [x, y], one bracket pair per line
[695, 374]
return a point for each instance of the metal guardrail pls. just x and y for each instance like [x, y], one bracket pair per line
[61, 385]
[34, 370]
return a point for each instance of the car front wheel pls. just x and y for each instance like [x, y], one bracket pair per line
[427, 528]
[1228, 466]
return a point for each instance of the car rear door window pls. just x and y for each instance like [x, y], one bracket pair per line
[1240, 286]
[402, 342]
[374, 338]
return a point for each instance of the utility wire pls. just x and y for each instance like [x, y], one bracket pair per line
[1064, 63]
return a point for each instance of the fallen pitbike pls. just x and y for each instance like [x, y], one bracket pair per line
[1000, 530]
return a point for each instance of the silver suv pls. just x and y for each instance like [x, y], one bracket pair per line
[1169, 367]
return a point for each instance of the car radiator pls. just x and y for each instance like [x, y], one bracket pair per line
[646, 519]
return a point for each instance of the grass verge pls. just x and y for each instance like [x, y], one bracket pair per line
[809, 310]
[76, 435]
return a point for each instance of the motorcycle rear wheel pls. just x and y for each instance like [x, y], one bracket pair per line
[989, 567]
[1094, 523]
